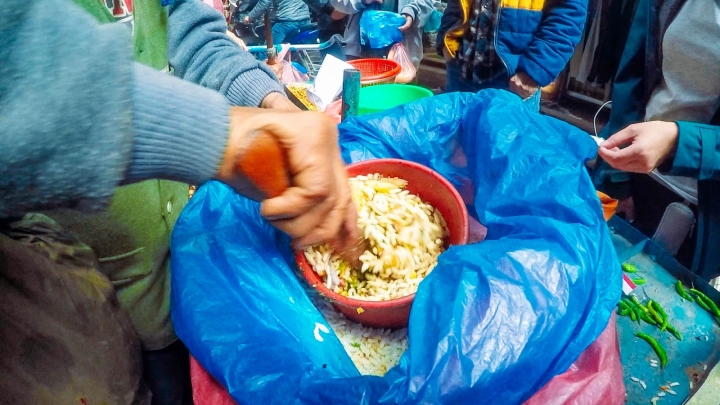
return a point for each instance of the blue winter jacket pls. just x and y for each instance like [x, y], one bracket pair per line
[537, 37]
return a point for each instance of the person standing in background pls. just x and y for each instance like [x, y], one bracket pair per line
[666, 116]
[516, 45]
[82, 118]
[416, 13]
[290, 17]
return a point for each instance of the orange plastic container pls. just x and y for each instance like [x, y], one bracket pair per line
[376, 71]
[609, 205]
[432, 188]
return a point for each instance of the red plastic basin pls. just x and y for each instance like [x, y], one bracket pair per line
[432, 188]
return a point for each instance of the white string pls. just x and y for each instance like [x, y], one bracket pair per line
[596, 114]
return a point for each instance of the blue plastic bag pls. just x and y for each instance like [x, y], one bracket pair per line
[433, 22]
[380, 29]
[491, 324]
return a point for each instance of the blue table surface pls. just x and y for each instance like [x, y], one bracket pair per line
[689, 360]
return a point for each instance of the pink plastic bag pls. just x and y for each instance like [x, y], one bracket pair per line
[596, 377]
[289, 73]
[399, 54]
[334, 111]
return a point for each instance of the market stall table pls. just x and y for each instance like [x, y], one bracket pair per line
[690, 360]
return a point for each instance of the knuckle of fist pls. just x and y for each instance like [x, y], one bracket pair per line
[319, 191]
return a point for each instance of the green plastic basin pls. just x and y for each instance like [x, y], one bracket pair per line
[384, 96]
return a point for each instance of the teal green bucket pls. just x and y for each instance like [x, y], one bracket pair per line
[384, 96]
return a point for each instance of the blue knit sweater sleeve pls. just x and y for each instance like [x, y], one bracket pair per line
[77, 118]
[200, 51]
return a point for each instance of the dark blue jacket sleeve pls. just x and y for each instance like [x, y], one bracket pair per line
[451, 16]
[559, 32]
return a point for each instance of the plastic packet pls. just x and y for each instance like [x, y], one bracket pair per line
[379, 29]
[399, 54]
[289, 73]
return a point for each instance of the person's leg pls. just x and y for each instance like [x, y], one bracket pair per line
[453, 81]
[65, 339]
[283, 31]
[279, 30]
[167, 371]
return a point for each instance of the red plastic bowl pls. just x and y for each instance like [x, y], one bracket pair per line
[432, 188]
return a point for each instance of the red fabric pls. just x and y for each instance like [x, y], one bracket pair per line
[596, 377]
[206, 390]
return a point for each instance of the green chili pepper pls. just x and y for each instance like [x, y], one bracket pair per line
[633, 315]
[647, 318]
[629, 267]
[639, 281]
[674, 332]
[658, 319]
[682, 292]
[702, 304]
[623, 308]
[656, 347]
[711, 306]
[637, 303]
[638, 313]
[662, 313]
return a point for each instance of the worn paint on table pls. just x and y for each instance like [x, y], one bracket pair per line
[691, 359]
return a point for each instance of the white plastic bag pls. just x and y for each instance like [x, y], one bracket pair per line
[399, 54]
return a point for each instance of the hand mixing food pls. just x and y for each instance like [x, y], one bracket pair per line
[264, 162]
[405, 237]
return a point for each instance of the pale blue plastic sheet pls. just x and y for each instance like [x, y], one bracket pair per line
[491, 324]
[380, 29]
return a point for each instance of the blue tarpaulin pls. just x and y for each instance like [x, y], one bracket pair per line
[491, 324]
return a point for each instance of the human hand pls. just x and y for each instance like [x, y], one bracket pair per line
[237, 40]
[649, 144]
[317, 204]
[523, 85]
[277, 68]
[337, 15]
[408, 23]
[277, 101]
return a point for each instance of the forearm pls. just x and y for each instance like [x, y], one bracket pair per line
[259, 10]
[65, 126]
[200, 51]
[419, 10]
[179, 129]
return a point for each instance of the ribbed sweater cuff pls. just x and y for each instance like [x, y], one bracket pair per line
[250, 88]
[180, 129]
